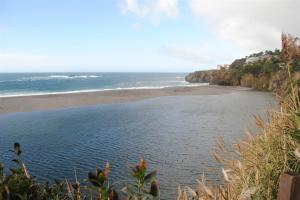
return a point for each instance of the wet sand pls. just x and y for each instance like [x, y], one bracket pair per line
[56, 101]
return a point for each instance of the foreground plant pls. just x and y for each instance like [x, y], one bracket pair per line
[138, 191]
[101, 185]
[20, 185]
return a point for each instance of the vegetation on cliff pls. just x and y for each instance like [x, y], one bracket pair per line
[253, 170]
[262, 71]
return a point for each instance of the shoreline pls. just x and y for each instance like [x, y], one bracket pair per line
[97, 90]
[68, 100]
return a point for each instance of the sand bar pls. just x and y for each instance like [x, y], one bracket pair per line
[56, 101]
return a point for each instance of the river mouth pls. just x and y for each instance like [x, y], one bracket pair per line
[175, 135]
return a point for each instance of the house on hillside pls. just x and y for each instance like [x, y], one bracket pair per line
[253, 59]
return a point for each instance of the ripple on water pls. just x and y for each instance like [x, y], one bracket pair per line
[175, 135]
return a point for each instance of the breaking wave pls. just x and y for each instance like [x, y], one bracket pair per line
[53, 77]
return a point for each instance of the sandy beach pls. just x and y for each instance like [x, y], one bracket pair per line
[56, 101]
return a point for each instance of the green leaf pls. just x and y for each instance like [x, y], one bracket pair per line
[150, 177]
[297, 119]
[154, 190]
[296, 135]
[16, 161]
[93, 179]
[17, 148]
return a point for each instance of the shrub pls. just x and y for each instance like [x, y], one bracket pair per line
[20, 185]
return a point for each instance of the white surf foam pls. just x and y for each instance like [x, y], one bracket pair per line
[24, 94]
[53, 77]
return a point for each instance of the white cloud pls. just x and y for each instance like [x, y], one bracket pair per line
[132, 6]
[153, 10]
[28, 62]
[186, 54]
[167, 7]
[203, 56]
[252, 24]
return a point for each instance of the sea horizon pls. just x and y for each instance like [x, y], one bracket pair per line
[25, 84]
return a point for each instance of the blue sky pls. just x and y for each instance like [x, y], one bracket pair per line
[132, 35]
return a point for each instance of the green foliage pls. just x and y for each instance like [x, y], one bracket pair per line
[138, 191]
[238, 63]
[264, 67]
[270, 67]
[20, 185]
[296, 132]
[295, 65]
[100, 184]
[254, 68]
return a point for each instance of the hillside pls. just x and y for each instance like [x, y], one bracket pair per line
[262, 71]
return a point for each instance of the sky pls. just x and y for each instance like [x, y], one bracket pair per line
[138, 35]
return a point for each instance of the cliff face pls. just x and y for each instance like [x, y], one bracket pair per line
[214, 77]
[200, 76]
[261, 82]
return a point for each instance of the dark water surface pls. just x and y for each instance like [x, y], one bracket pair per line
[175, 134]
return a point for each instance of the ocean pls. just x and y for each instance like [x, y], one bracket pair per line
[26, 84]
[175, 134]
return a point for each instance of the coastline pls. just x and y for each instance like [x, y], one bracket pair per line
[68, 100]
